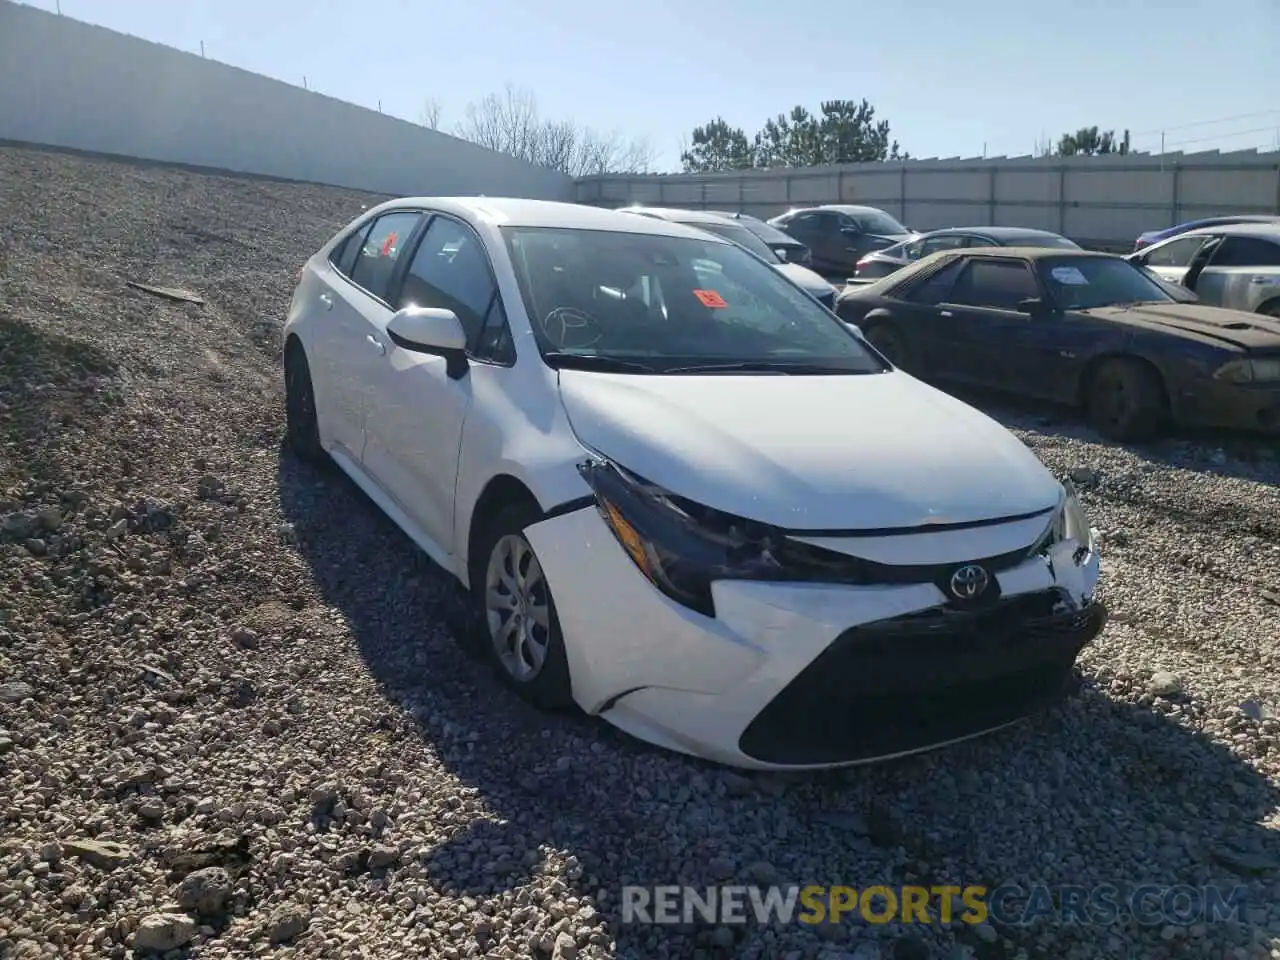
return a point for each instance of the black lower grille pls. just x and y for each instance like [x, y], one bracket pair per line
[910, 682]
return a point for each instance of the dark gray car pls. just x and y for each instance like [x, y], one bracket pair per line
[839, 235]
[881, 263]
[786, 247]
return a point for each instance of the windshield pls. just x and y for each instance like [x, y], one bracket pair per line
[1081, 283]
[653, 304]
[877, 222]
[739, 235]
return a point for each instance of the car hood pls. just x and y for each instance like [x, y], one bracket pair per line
[810, 452]
[804, 278]
[1249, 331]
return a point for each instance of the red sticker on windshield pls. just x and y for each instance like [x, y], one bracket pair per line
[709, 298]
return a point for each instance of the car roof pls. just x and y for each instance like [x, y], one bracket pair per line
[679, 215]
[991, 253]
[1269, 231]
[846, 208]
[996, 232]
[521, 212]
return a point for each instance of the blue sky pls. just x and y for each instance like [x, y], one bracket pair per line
[951, 77]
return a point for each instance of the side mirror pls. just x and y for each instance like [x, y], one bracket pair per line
[1033, 306]
[432, 331]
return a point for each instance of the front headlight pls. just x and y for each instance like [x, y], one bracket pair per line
[682, 547]
[1247, 370]
[1071, 523]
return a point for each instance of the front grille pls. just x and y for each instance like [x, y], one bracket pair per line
[913, 681]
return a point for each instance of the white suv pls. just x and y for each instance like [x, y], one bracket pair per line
[681, 494]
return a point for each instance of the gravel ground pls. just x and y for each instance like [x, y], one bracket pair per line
[232, 725]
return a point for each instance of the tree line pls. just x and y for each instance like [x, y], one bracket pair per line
[841, 131]
[511, 123]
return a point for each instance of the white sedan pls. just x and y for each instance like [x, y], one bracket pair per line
[679, 492]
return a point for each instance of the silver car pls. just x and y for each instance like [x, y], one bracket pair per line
[1235, 266]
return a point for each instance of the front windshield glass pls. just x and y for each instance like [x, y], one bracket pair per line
[1081, 283]
[739, 235]
[879, 223]
[652, 303]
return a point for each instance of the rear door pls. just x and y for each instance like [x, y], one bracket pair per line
[1242, 273]
[350, 300]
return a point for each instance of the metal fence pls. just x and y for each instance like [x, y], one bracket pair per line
[1099, 201]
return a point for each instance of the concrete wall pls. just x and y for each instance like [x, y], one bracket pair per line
[69, 84]
[1105, 201]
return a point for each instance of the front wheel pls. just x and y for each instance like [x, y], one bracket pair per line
[518, 613]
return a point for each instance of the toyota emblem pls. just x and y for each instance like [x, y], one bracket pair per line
[969, 582]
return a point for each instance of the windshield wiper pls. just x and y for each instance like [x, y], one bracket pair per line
[761, 366]
[588, 361]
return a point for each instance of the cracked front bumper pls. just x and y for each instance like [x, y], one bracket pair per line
[795, 676]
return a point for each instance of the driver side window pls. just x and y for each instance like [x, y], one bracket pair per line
[451, 270]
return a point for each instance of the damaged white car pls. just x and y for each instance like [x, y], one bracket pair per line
[681, 494]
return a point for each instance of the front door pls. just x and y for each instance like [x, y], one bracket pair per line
[417, 412]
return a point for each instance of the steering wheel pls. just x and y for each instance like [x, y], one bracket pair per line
[570, 328]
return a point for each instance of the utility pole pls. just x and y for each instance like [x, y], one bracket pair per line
[202, 48]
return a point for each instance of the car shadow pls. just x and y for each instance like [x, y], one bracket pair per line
[568, 794]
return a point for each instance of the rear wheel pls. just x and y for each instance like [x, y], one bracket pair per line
[302, 427]
[1125, 400]
[889, 342]
[518, 614]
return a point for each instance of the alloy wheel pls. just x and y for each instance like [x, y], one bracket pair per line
[517, 608]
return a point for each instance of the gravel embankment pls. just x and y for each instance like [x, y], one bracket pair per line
[231, 723]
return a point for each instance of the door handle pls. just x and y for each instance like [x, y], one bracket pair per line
[1266, 281]
[327, 300]
[377, 344]
[945, 313]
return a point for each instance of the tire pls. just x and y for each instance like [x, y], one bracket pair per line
[1125, 400]
[529, 657]
[302, 427]
[888, 342]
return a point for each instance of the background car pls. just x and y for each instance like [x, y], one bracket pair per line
[729, 228]
[1074, 327]
[881, 263]
[839, 235]
[632, 477]
[1155, 236]
[1233, 265]
[787, 247]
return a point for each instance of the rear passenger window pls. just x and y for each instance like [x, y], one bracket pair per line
[934, 288]
[376, 257]
[996, 283]
[1246, 252]
[344, 254]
